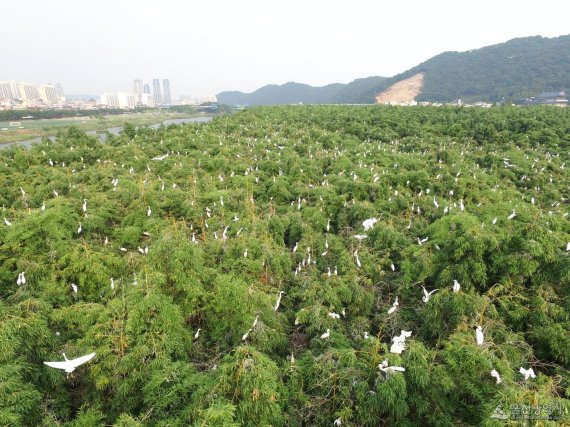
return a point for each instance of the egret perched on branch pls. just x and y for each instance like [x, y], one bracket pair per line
[479, 335]
[394, 306]
[389, 370]
[456, 286]
[427, 295]
[496, 375]
[278, 300]
[70, 365]
[528, 373]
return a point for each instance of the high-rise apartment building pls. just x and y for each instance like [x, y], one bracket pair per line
[146, 88]
[9, 90]
[156, 91]
[111, 100]
[28, 92]
[138, 89]
[48, 94]
[166, 92]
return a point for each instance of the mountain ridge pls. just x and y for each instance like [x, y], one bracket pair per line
[508, 71]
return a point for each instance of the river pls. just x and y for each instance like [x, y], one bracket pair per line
[102, 134]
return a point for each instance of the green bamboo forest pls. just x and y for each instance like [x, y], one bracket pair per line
[290, 266]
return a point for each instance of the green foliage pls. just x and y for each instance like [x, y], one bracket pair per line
[180, 306]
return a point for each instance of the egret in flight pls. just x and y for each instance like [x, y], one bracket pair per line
[70, 365]
[427, 295]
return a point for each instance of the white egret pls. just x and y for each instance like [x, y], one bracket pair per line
[21, 279]
[512, 215]
[278, 302]
[326, 334]
[334, 315]
[70, 365]
[74, 287]
[393, 267]
[479, 335]
[112, 283]
[244, 336]
[461, 205]
[148, 211]
[79, 229]
[197, 334]
[397, 347]
[528, 373]
[427, 295]
[8, 223]
[494, 220]
[496, 375]
[84, 207]
[360, 236]
[568, 246]
[369, 223]
[366, 335]
[295, 247]
[394, 306]
[337, 422]
[389, 370]
[456, 286]
[245, 253]
[435, 203]
[255, 321]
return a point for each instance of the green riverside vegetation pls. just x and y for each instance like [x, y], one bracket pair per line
[214, 270]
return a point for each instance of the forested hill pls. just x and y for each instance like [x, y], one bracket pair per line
[519, 68]
[516, 69]
[295, 93]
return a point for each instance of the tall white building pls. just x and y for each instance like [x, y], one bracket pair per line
[138, 89]
[127, 100]
[28, 92]
[166, 99]
[48, 94]
[9, 90]
[111, 100]
[147, 100]
[156, 91]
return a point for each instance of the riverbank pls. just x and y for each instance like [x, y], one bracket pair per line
[32, 129]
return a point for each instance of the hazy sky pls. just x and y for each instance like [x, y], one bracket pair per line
[205, 47]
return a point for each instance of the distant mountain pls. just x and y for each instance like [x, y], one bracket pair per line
[512, 70]
[516, 69]
[294, 93]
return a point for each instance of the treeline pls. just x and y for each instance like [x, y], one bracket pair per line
[13, 115]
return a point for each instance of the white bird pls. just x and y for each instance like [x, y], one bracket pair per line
[512, 215]
[334, 315]
[394, 306]
[244, 336]
[456, 286]
[112, 283]
[568, 246]
[74, 287]
[528, 373]
[461, 205]
[496, 375]
[427, 295]
[43, 208]
[255, 321]
[337, 422]
[295, 247]
[479, 335]
[369, 223]
[358, 261]
[70, 365]
[79, 229]
[8, 223]
[160, 157]
[245, 253]
[84, 207]
[366, 335]
[21, 279]
[393, 267]
[278, 300]
[397, 347]
[326, 334]
[148, 211]
[389, 370]
[494, 220]
[197, 334]
[360, 236]
[435, 203]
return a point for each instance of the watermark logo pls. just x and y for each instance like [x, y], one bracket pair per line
[499, 414]
[552, 412]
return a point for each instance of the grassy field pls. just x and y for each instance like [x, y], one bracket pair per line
[47, 127]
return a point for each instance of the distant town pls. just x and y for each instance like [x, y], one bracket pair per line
[16, 95]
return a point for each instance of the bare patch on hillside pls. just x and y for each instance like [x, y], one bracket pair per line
[402, 93]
